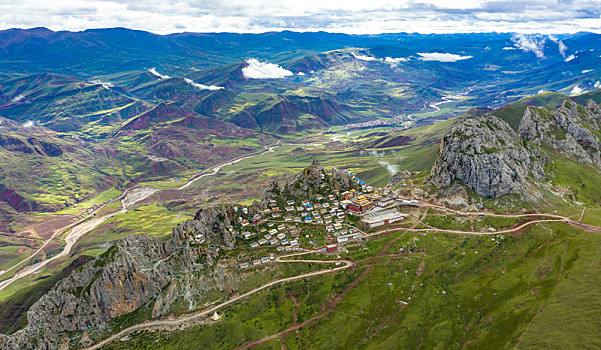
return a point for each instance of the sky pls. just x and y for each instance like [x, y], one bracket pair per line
[343, 16]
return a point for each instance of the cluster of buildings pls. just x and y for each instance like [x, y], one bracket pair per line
[282, 223]
[259, 261]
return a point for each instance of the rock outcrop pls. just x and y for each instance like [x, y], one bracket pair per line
[312, 181]
[130, 274]
[566, 129]
[486, 155]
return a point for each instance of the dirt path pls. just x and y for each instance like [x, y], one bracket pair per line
[196, 315]
[131, 197]
[334, 302]
[215, 169]
[128, 198]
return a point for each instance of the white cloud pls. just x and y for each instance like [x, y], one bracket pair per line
[562, 48]
[560, 45]
[569, 58]
[104, 84]
[28, 124]
[509, 48]
[300, 73]
[154, 72]
[541, 91]
[364, 57]
[264, 70]
[530, 43]
[203, 86]
[442, 57]
[395, 59]
[586, 71]
[18, 98]
[391, 168]
[424, 16]
[597, 85]
[576, 90]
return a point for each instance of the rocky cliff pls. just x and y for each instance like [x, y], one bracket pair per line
[488, 156]
[568, 129]
[148, 277]
[131, 274]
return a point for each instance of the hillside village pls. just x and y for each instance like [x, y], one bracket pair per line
[323, 222]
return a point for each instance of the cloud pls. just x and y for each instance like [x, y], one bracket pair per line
[264, 70]
[576, 90]
[104, 84]
[597, 85]
[530, 43]
[364, 57]
[586, 71]
[154, 72]
[28, 124]
[509, 48]
[424, 16]
[560, 45]
[18, 98]
[203, 86]
[391, 168]
[395, 59]
[372, 153]
[300, 73]
[569, 58]
[441, 57]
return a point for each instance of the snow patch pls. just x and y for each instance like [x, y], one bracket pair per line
[153, 71]
[529, 44]
[203, 86]
[264, 70]
[442, 57]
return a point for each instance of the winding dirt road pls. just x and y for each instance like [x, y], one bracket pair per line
[132, 196]
[128, 198]
[195, 316]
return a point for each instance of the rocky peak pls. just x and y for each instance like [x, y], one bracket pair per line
[487, 156]
[566, 129]
[312, 180]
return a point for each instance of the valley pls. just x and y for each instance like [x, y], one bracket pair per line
[405, 190]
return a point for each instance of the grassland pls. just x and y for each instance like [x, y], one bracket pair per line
[461, 292]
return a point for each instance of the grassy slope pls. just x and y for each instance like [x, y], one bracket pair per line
[493, 293]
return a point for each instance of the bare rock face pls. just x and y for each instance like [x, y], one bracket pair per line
[487, 156]
[130, 274]
[566, 129]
